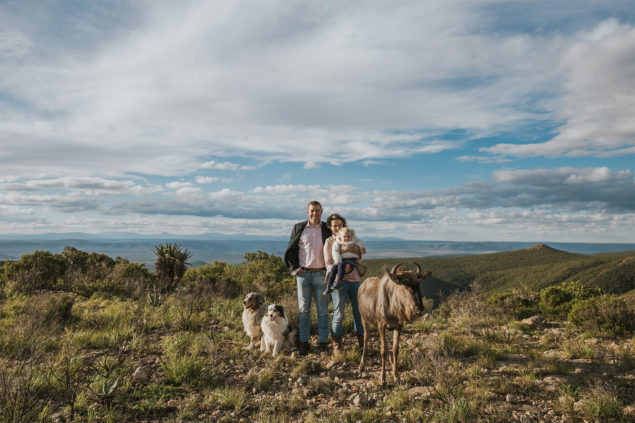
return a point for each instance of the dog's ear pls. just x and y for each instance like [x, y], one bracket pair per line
[280, 310]
[261, 299]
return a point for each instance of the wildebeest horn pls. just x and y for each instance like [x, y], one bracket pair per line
[418, 269]
[394, 268]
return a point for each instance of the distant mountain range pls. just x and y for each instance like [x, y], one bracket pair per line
[208, 248]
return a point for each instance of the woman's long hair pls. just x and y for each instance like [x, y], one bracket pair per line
[332, 217]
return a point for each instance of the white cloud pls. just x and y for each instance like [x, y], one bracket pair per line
[84, 185]
[186, 191]
[206, 179]
[94, 111]
[227, 196]
[373, 79]
[178, 185]
[212, 164]
[285, 189]
[597, 107]
[310, 165]
[483, 159]
[564, 176]
[14, 44]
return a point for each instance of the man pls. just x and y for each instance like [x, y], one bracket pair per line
[305, 259]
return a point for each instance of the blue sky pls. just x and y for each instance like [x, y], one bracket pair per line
[438, 120]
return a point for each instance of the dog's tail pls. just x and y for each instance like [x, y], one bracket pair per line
[292, 337]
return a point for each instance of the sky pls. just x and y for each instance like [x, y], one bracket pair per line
[479, 120]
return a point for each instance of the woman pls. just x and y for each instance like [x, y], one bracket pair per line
[351, 283]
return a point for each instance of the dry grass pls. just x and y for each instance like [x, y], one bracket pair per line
[463, 362]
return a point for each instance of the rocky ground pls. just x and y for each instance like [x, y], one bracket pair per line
[530, 371]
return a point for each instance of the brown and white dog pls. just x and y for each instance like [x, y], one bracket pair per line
[277, 336]
[254, 309]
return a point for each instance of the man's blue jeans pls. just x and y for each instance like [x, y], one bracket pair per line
[349, 290]
[311, 285]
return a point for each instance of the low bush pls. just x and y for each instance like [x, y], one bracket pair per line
[605, 315]
[50, 309]
[556, 301]
[19, 399]
[216, 278]
[75, 271]
[90, 266]
[601, 403]
[182, 369]
[466, 306]
[134, 278]
[261, 272]
[517, 303]
[36, 271]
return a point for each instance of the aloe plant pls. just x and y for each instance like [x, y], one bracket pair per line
[171, 264]
[106, 388]
[154, 297]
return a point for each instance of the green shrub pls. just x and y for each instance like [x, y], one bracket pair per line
[88, 273]
[456, 410]
[261, 272]
[133, 278]
[51, 309]
[264, 273]
[215, 278]
[229, 398]
[264, 380]
[91, 266]
[602, 404]
[36, 271]
[181, 362]
[182, 369]
[517, 303]
[604, 315]
[556, 301]
[19, 397]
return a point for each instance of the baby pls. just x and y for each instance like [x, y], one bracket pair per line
[345, 237]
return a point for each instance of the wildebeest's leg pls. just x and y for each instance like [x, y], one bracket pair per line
[395, 353]
[361, 364]
[384, 352]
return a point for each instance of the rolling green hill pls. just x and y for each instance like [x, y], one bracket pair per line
[535, 267]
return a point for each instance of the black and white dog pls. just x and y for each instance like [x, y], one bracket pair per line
[253, 312]
[277, 335]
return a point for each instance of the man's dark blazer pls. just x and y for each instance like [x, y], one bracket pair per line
[291, 256]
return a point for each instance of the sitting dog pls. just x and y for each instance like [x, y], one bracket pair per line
[254, 309]
[277, 335]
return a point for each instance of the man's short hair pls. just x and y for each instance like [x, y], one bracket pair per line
[314, 203]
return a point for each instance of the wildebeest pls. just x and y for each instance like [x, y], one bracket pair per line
[388, 302]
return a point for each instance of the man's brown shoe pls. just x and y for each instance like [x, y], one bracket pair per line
[303, 348]
[360, 340]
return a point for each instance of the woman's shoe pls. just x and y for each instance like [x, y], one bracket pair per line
[337, 345]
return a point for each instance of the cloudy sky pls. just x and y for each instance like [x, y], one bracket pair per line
[439, 120]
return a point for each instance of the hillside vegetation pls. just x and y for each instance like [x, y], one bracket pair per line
[535, 268]
[84, 337]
